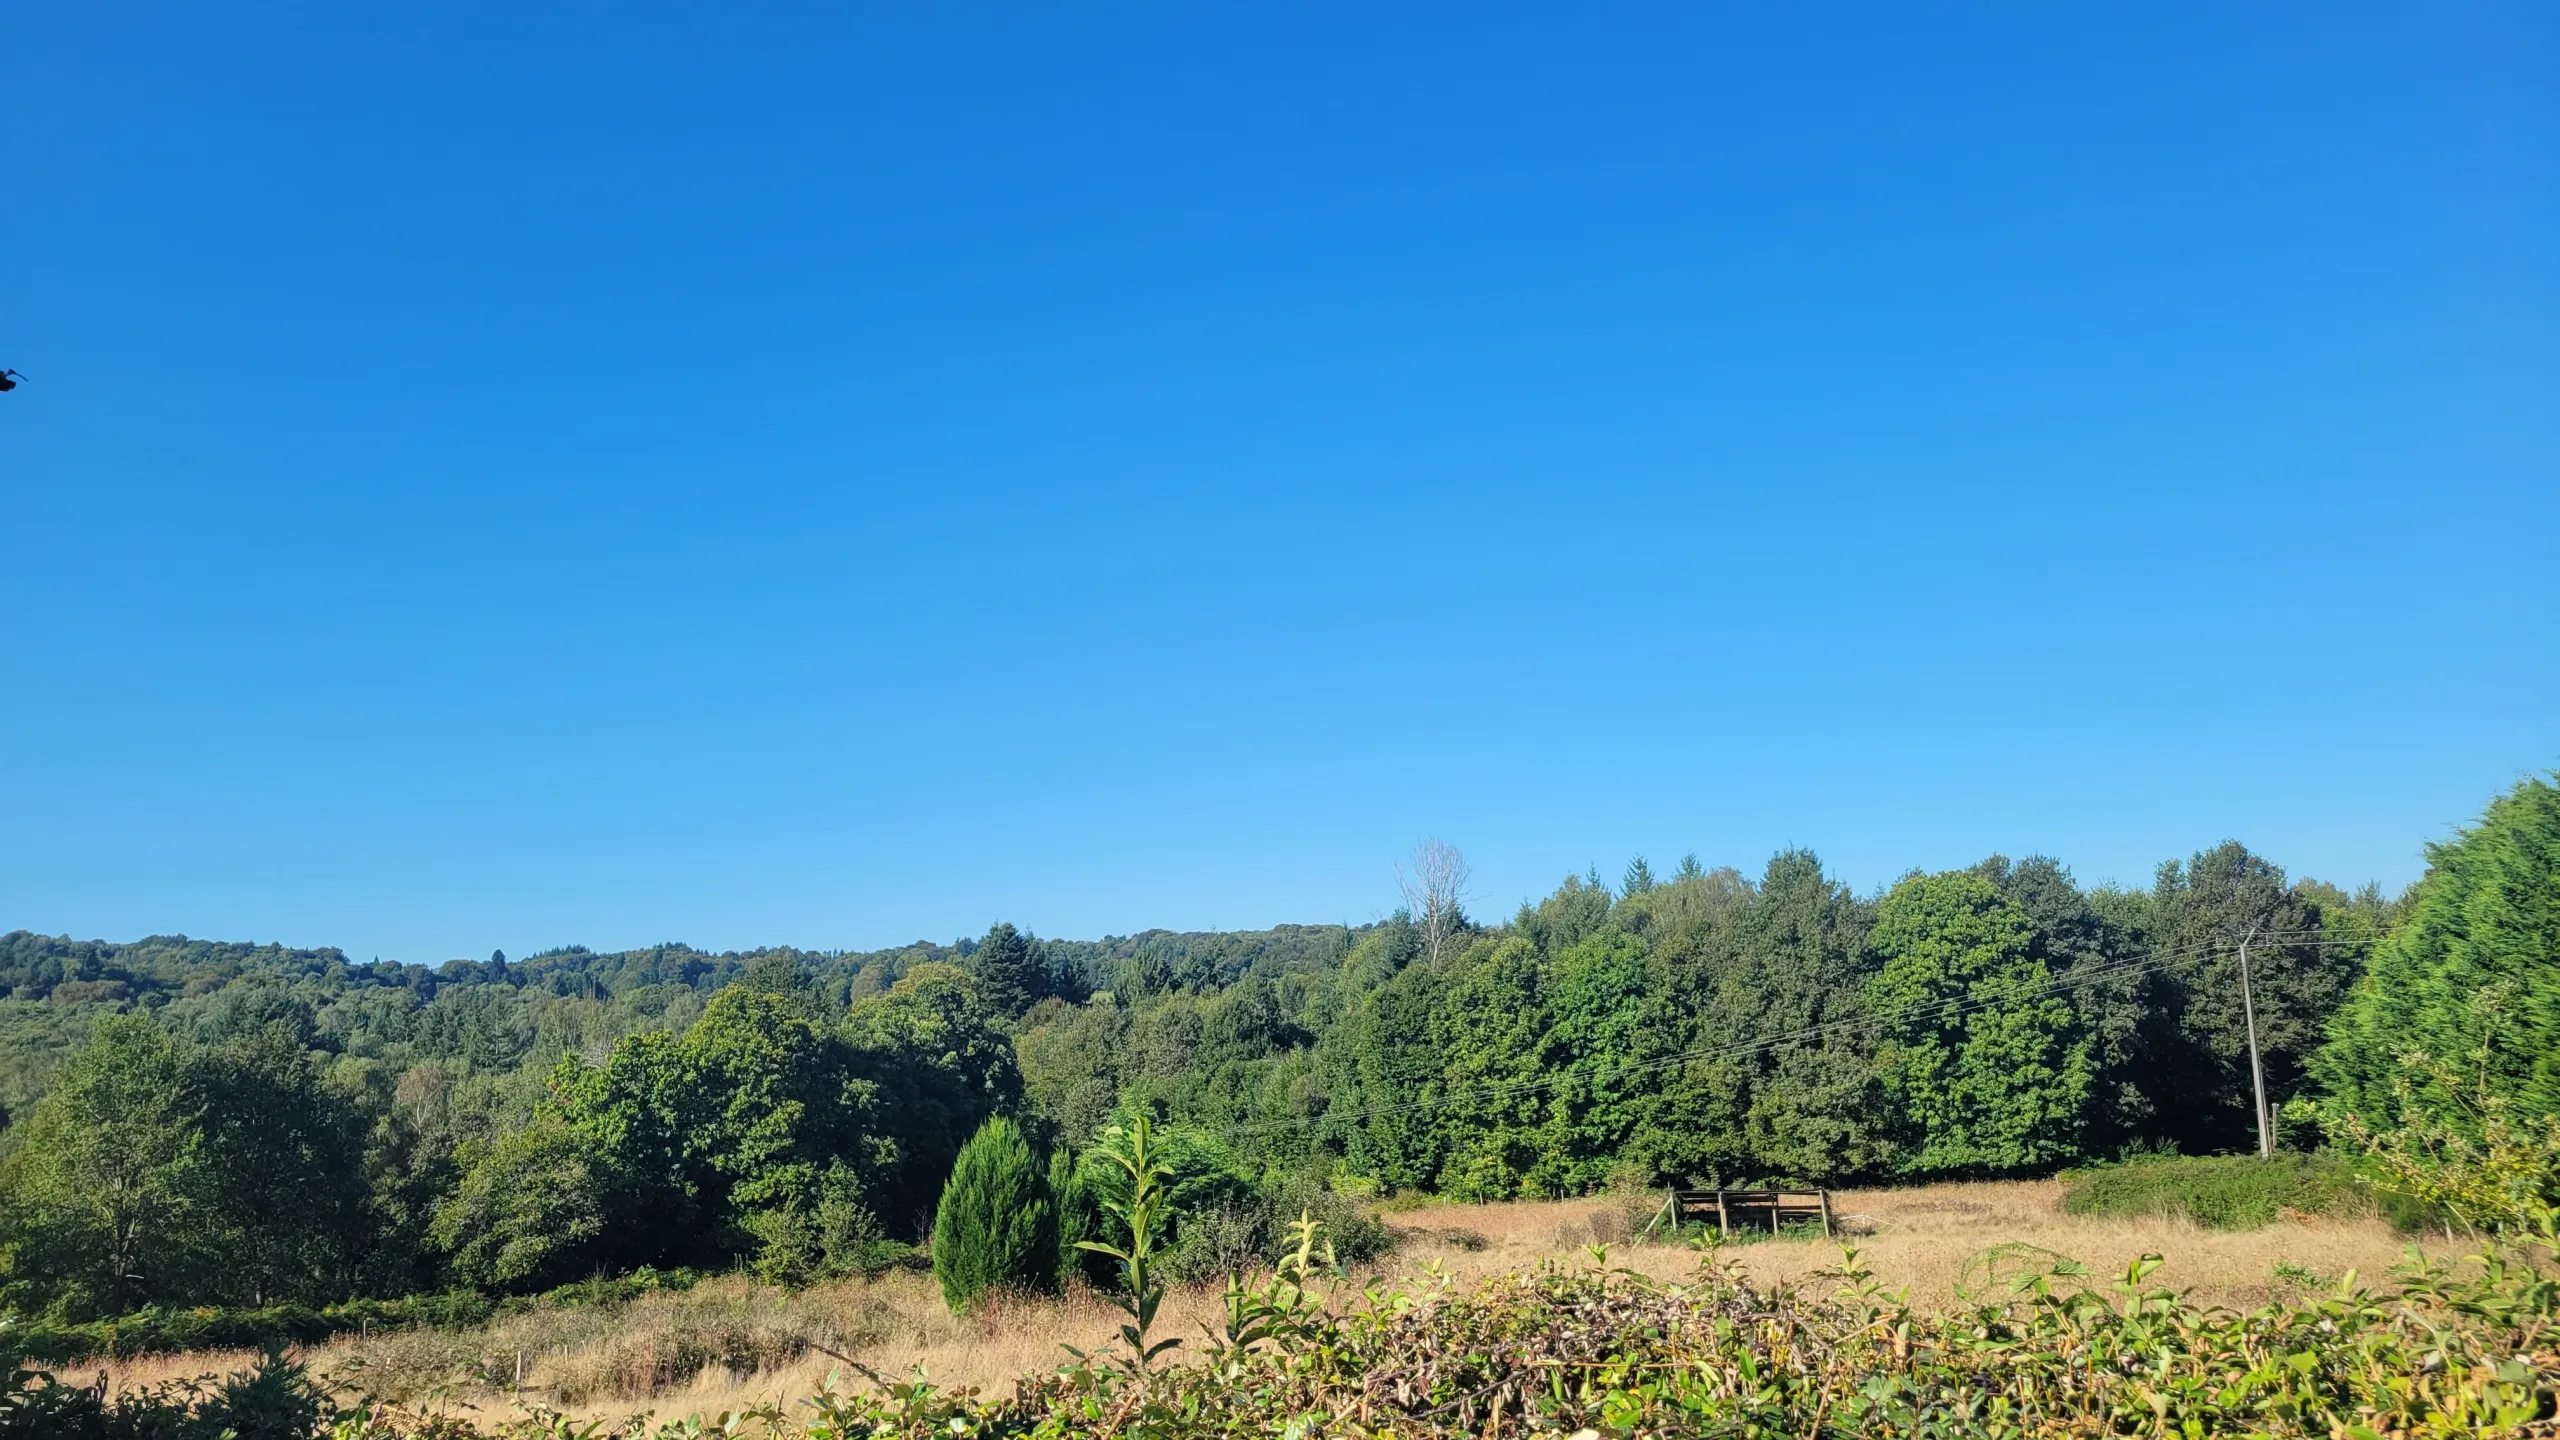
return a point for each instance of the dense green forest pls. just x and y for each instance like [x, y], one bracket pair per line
[199, 1123]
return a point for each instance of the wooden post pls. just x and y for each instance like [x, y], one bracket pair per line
[1724, 1221]
[1826, 1213]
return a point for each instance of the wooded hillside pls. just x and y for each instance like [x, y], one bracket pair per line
[197, 1122]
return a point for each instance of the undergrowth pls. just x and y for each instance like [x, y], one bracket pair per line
[2224, 1192]
[2041, 1350]
[173, 1328]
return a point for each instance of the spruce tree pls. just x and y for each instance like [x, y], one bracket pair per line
[1011, 970]
[997, 1225]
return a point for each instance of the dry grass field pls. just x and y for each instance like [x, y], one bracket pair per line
[730, 1344]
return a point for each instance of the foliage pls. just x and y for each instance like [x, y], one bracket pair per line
[1986, 1066]
[2224, 1192]
[2463, 1149]
[108, 1182]
[2085, 941]
[533, 1209]
[2043, 1350]
[1011, 970]
[195, 1123]
[2198, 1042]
[160, 1170]
[930, 1050]
[1139, 1202]
[997, 1227]
[2470, 977]
[272, 1400]
[1614, 1352]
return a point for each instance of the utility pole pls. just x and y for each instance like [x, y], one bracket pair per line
[2257, 1072]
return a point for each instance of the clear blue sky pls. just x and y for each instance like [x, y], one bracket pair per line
[512, 475]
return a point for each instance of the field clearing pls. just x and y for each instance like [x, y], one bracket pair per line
[731, 1344]
[1920, 1237]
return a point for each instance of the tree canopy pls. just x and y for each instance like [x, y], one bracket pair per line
[190, 1122]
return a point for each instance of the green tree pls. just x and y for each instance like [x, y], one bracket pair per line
[1079, 1214]
[635, 1116]
[414, 1124]
[1595, 1004]
[1492, 1036]
[780, 973]
[1813, 1105]
[997, 1226]
[778, 1101]
[2470, 979]
[1985, 1066]
[2198, 1059]
[930, 1047]
[535, 1208]
[1010, 970]
[1072, 1067]
[1385, 1074]
[283, 1159]
[108, 1192]
[2094, 960]
[1688, 1111]
[739, 1115]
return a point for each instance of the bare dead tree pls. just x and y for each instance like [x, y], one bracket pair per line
[1434, 883]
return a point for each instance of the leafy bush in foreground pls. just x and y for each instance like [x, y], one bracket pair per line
[2489, 1169]
[2224, 1192]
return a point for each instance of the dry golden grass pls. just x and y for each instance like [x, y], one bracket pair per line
[1920, 1238]
[730, 1344]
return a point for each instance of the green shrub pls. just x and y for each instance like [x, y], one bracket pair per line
[272, 1400]
[163, 1329]
[2225, 1192]
[2491, 1168]
[1079, 1216]
[851, 1240]
[1200, 1179]
[997, 1226]
[215, 1328]
[1215, 1218]
[1355, 1233]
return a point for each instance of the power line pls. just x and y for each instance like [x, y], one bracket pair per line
[2157, 960]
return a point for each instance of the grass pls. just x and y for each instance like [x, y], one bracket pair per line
[2223, 1192]
[729, 1344]
[2044, 1349]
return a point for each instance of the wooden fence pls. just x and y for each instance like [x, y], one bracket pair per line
[1729, 1208]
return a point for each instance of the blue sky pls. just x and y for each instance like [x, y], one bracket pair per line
[504, 476]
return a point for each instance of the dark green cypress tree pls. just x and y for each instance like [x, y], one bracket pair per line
[1078, 1217]
[2466, 978]
[997, 1225]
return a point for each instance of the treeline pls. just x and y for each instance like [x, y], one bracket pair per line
[201, 1124]
[501, 1015]
[1986, 1021]
[244, 1169]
